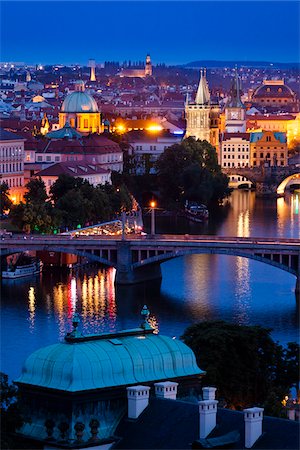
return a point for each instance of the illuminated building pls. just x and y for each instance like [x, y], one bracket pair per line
[235, 150]
[12, 164]
[147, 148]
[274, 93]
[92, 65]
[139, 72]
[268, 147]
[93, 173]
[202, 117]
[148, 67]
[235, 111]
[285, 123]
[80, 110]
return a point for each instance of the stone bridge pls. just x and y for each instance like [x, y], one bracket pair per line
[268, 180]
[138, 258]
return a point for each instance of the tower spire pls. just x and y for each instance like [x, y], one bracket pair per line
[203, 95]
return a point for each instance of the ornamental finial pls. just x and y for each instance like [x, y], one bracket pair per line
[145, 313]
[75, 322]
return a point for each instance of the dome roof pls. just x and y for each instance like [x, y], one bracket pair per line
[79, 102]
[270, 90]
[109, 360]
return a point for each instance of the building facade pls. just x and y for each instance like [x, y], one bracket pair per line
[235, 150]
[81, 111]
[12, 163]
[268, 148]
[276, 94]
[202, 117]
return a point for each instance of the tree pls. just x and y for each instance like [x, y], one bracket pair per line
[36, 191]
[63, 184]
[243, 362]
[190, 171]
[11, 418]
[5, 201]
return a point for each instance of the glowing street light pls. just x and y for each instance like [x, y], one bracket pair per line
[152, 206]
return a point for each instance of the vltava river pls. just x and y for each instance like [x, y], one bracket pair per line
[38, 311]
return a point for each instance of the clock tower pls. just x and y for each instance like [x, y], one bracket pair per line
[235, 111]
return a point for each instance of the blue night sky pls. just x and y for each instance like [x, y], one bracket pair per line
[173, 32]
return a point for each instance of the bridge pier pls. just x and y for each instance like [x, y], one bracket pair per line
[297, 290]
[126, 275]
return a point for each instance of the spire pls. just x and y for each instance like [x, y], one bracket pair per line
[203, 95]
[235, 92]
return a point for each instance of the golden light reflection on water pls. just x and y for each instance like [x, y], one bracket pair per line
[288, 215]
[242, 290]
[93, 297]
[31, 307]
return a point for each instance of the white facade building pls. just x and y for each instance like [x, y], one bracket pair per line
[12, 164]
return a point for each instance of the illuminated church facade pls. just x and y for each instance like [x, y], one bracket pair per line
[80, 110]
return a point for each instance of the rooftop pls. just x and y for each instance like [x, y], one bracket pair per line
[101, 361]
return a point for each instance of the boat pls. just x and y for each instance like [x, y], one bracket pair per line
[18, 270]
[196, 212]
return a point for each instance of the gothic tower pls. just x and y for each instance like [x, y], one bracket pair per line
[235, 111]
[198, 112]
[148, 67]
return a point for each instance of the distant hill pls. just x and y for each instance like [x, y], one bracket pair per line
[258, 64]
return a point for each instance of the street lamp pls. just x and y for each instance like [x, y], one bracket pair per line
[152, 205]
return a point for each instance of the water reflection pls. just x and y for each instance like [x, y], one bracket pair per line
[31, 308]
[193, 288]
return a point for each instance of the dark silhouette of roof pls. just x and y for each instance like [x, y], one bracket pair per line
[170, 424]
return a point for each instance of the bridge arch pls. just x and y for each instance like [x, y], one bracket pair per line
[284, 183]
[213, 251]
[86, 254]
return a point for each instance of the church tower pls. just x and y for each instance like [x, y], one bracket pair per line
[198, 112]
[148, 67]
[235, 111]
[92, 65]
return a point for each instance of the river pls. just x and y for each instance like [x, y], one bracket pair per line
[38, 311]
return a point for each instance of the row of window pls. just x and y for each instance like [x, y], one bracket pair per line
[266, 155]
[13, 182]
[273, 100]
[234, 149]
[273, 148]
[235, 156]
[234, 165]
[11, 167]
[8, 152]
[279, 163]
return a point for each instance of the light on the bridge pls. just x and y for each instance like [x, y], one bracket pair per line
[153, 204]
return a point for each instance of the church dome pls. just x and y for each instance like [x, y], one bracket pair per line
[79, 102]
[109, 360]
[273, 89]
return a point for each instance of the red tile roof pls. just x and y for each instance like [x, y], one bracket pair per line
[74, 169]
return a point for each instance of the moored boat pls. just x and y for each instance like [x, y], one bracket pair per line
[33, 267]
[196, 212]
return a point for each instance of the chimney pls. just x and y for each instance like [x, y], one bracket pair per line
[138, 399]
[166, 389]
[207, 411]
[253, 425]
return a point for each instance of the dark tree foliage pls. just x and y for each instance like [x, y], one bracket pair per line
[11, 418]
[5, 201]
[244, 363]
[190, 171]
[36, 191]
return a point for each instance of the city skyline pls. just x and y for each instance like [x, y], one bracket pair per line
[184, 31]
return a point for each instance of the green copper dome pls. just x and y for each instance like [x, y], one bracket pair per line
[79, 102]
[108, 360]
